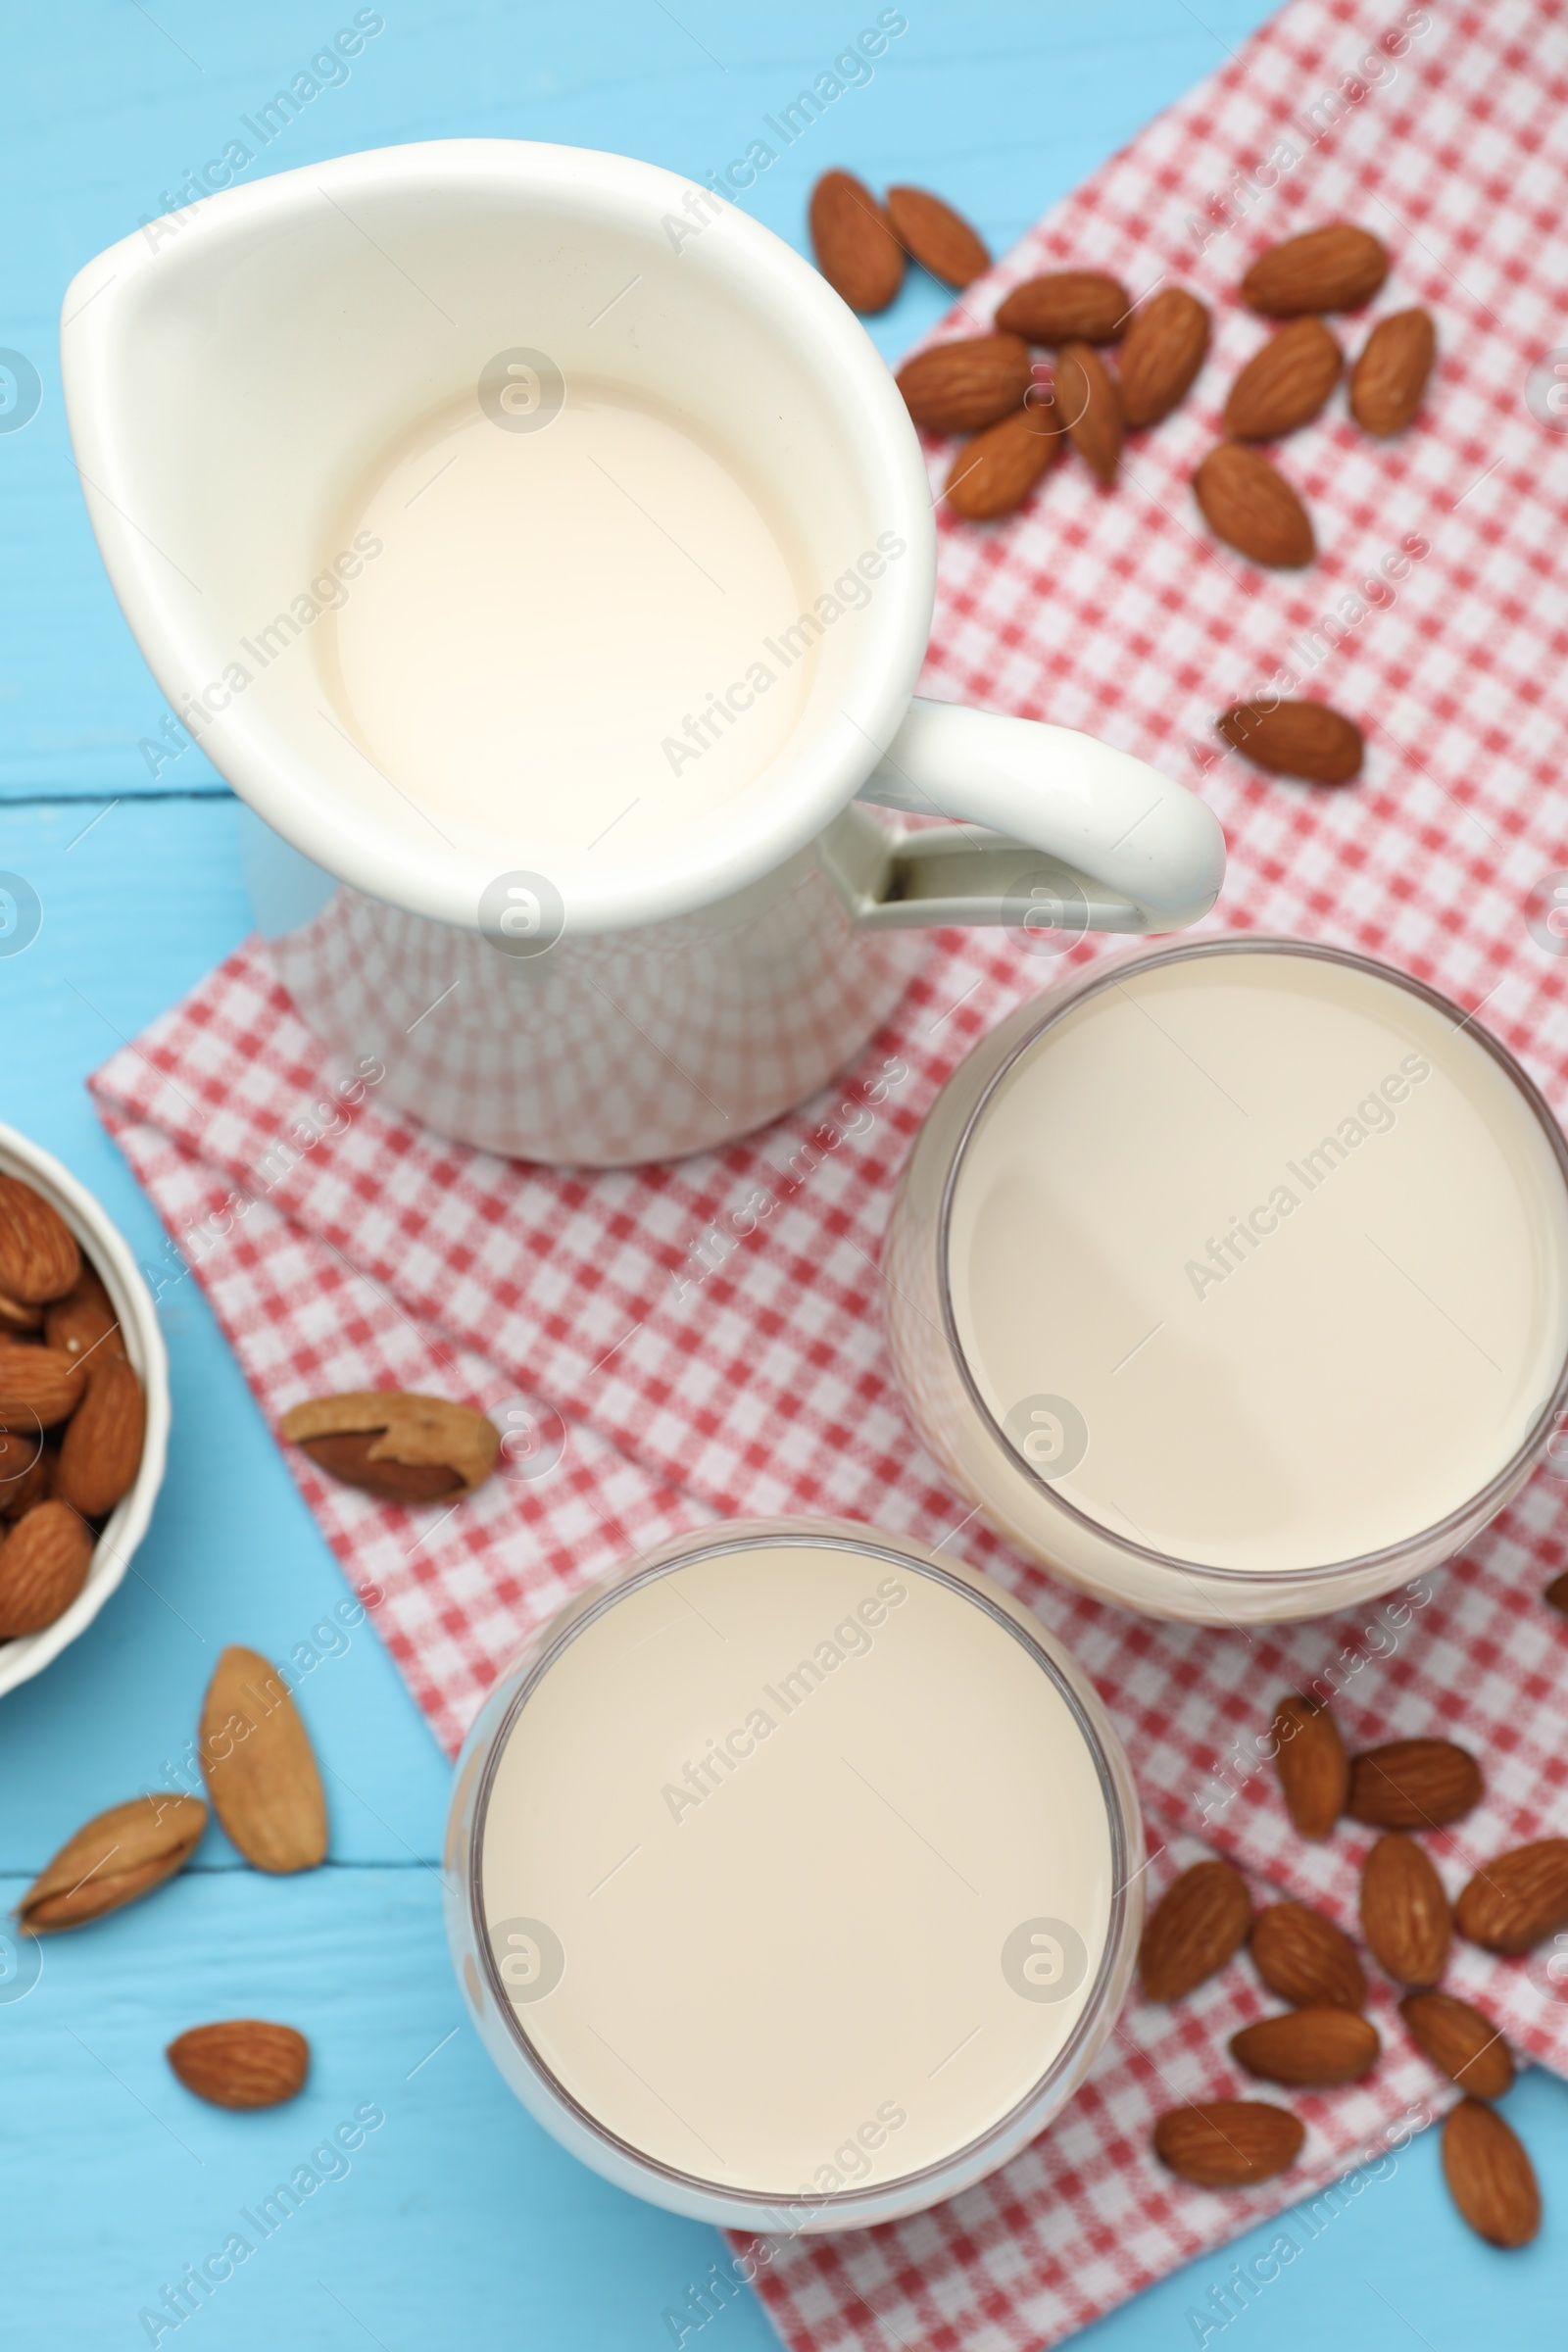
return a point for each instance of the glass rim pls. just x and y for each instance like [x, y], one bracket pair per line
[1097, 978]
[770, 1536]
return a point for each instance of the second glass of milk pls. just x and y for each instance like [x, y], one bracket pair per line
[1231, 1279]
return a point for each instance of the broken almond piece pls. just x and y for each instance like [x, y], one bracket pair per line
[400, 1446]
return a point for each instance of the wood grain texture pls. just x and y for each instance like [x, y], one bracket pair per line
[460, 2222]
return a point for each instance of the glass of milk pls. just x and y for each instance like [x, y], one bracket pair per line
[1230, 1280]
[794, 1876]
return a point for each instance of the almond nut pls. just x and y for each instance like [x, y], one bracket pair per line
[1253, 508]
[260, 1769]
[1286, 383]
[1304, 1958]
[1296, 739]
[1390, 378]
[1314, 1770]
[1309, 2048]
[1518, 1899]
[996, 471]
[83, 1322]
[38, 1386]
[16, 1315]
[958, 387]
[1404, 1912]
[1460, 2042]
[856, 250]
[1413, 1784]
[1490, 2178]
[243, 2062]
[1228, 2143]
[1090, 406]
[1333, 268]
[100, 1453]
[402, 1448]
[112, 1859]
[1161, 354]
[1198, 1922]
[39, 1255]
[1066, 306]
[940, 240]
[43, 1566]
[24, 1466]
[1556, 1593]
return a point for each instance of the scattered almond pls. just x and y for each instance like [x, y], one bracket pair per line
[1296, 739]
[83, 1322]
[402, 1448]
[1333, 268]
[958, 387]
[1460, 2042]
[1413, 1784]
[1229, 2144]
[43, 1565]
[38, 1386]
[1253, 508]
[1556, 1593]
[856, 250]
[1162, 353]
[1091, 407]
[39, 1255]
[940, 240]
[1286, 383]
[1390, 378]
[1518, 1899]
[100, 1453]
[1305, 1959]
[1198, 1922]
[1314, 1770]
[1066, 306]
[1404, 1912]
[257, 1760]
[1309, 2048]
[112, 1859]
[996, 471]
[1490, 2178]
[243, 2062]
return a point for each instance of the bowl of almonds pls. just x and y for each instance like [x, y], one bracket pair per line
[84, 1407]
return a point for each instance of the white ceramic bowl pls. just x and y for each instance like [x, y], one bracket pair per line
[109, 1254]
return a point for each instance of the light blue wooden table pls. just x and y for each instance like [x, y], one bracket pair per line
[457, 2224]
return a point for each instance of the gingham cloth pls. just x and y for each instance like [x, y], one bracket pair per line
[678, 1344]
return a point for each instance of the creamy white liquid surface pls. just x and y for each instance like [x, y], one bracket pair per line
[1366, 1361]
[797, 1984]
[549, 609]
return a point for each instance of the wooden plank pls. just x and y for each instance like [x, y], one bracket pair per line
[460, 2223]
[135, 909]
[455, 2221]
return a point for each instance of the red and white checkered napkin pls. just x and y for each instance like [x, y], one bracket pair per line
[709, 1334]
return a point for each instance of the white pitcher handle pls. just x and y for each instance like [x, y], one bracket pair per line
[1056, 829]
